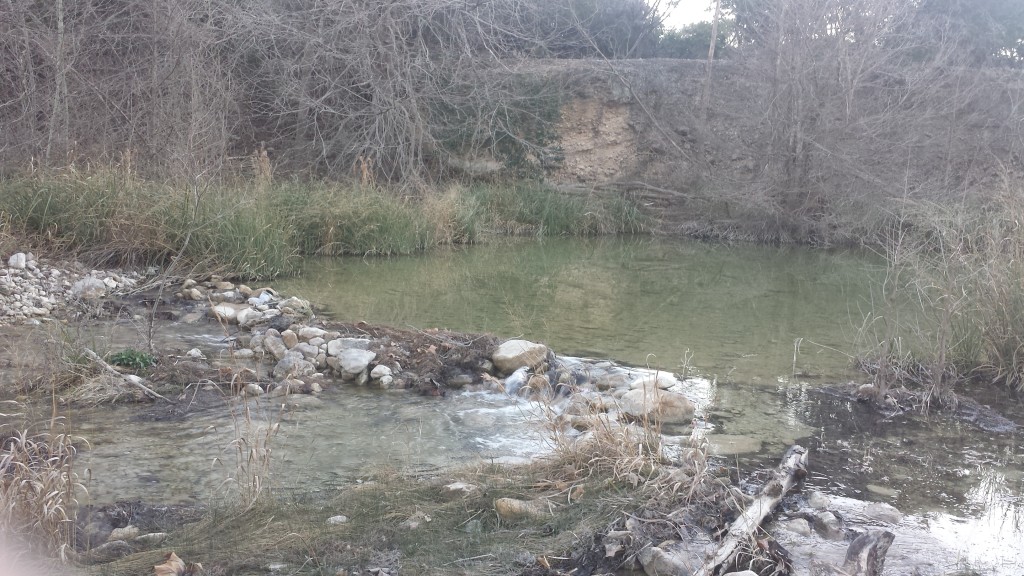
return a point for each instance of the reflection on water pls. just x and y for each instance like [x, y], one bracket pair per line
[766, 328]
[738, 310]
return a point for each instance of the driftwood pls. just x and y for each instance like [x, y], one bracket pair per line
[124, 378]
[790, 472]
[864, 557]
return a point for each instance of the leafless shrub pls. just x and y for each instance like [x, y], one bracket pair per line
[392, 88]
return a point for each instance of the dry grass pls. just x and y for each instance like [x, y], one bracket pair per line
[949, 309]
[255, 428]
[39, 487]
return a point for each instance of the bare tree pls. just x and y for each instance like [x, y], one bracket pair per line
[852, 103]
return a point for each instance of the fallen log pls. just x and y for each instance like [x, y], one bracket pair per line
[790, 472]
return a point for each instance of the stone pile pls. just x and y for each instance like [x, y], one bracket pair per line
[279, 331]
[30, 289]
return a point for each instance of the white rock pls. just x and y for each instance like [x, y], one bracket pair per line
[296, 304]
[461, 489]
[662, 380]
[252, 389]
[224, 312]
[379, 371]
[354, 362]
[17, 260]
[308, 333]
[195, 354]
[336, 346]
[339, 519]
[514, 354]
[110, 282]
[88, 288]
[246, 317]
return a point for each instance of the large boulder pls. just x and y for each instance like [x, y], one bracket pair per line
[514, 354]
[657, 405]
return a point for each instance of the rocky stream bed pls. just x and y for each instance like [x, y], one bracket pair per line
[277, 346]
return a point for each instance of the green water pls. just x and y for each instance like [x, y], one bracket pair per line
[736, 312]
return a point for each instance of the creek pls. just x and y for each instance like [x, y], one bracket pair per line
[763, 330]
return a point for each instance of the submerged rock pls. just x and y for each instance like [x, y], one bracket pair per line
[658, 405]
[797, 526]
[882, 512]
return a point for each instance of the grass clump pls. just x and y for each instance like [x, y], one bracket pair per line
[531, 208]
[255, 229]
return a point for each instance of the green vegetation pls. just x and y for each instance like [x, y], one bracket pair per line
[255, 230]
[132, 358]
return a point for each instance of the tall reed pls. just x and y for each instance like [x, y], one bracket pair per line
[953, 297]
